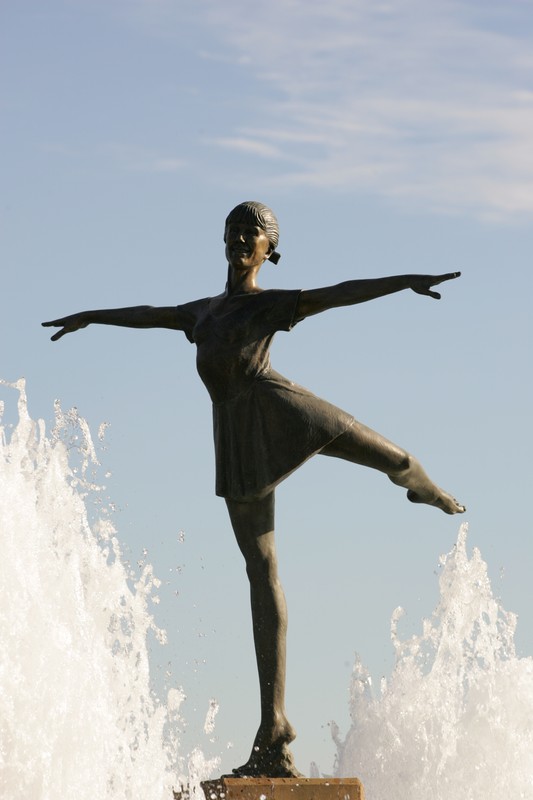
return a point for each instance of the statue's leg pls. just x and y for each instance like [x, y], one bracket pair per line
[253, 525]
[362, 445]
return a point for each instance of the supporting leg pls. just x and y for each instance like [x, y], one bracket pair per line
[253, 524]
[361, 445]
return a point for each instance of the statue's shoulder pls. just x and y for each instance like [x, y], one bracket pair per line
[193, 305]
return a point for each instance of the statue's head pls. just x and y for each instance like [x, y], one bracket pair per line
[261, 215]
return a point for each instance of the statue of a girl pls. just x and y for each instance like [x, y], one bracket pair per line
[265, 427]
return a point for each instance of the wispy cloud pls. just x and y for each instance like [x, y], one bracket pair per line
[427, 101]
[139, 159]
[249, 145]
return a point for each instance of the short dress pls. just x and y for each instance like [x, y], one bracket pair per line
[265, 426]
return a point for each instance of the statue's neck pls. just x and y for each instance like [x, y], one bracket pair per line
[242, 281]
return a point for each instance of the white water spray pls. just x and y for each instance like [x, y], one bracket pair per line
[77, 716]
[456, 718]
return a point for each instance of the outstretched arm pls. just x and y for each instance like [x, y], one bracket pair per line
[133, 317]
[313, 301]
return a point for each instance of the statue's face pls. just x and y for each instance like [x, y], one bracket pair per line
[247, 245]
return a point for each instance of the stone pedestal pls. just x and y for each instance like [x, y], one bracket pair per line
[284, 789]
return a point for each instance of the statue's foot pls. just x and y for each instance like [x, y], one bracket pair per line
[442, 500]
[275, 761]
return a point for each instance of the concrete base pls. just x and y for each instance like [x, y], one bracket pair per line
[284, 789]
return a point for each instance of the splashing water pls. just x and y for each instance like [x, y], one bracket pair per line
[456, 717]
[77, 716]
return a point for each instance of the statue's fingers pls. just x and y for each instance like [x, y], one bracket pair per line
[448, 277]
[58, 335]
[425, 290]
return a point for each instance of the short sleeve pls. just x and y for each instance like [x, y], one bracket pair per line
[282, 307]
[188, 315]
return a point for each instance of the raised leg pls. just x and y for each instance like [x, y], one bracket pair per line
[362, 445]
[253, 524]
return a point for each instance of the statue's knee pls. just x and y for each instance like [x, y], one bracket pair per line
[261, 567]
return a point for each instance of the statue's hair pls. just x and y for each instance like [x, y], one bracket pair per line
[260, 215]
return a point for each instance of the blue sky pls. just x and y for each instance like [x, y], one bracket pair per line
[388, 138]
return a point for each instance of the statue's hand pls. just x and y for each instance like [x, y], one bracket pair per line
[68, 324]
[422, 283]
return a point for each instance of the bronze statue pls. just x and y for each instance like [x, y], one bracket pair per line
[265, 427]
